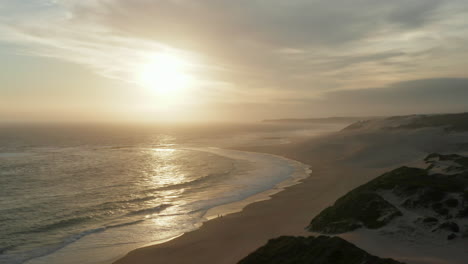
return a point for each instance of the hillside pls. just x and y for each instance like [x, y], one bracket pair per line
[449, 122]
[431, 200]
[317, 120]
[317, 250]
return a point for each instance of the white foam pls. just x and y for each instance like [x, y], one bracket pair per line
[286, 173]
[269, 174]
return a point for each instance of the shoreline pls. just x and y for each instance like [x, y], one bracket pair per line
[286, 172]
[238, 206]
[301, 172]
[230, 238]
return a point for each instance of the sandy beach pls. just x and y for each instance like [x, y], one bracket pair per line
[340, 161]
[230, 238]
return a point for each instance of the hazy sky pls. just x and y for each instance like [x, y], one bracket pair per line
[245, 59]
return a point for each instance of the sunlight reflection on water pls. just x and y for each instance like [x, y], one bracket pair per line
[167, 170]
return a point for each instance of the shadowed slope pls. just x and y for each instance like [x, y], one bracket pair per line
[316, 250]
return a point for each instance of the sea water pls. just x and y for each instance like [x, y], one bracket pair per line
[89, 195]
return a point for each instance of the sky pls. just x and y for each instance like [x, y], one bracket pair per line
[225, 60]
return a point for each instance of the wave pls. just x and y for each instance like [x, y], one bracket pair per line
[193, 183]
[41, 252]
[84, 219]
[153, 210]
[99, 209]
[5, 249]
[125, 224]
[57, 225]
[128, 201]
[136, 200]
[200, 187]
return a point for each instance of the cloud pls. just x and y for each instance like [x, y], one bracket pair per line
[446, 90]
[274, 22]
[407, 97]
[246, 49]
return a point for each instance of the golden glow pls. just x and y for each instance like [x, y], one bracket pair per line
[166, 74]
[166, 170]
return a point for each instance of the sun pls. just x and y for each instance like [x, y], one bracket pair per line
[166, 74]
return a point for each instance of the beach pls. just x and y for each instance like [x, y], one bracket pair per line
[233, 132]
[94, 197]
[340, 161]
[229, 238]
[210, 199]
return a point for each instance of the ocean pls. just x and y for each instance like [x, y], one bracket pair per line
[90, 193]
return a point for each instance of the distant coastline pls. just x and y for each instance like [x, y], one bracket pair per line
[337, 119]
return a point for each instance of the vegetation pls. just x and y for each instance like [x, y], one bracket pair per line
[354, 210]
[437, 197]
[451, 122]
[317, 250]
[444, 196]
[315, 120]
